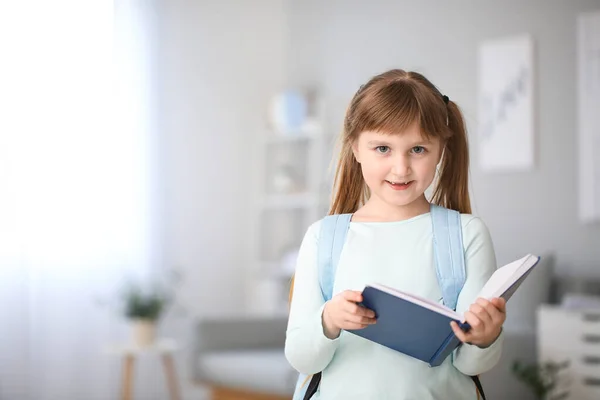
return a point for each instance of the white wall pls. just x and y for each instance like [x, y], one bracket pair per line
[340, 44]
[220, 63]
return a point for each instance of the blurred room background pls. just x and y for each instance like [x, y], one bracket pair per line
[191, 143]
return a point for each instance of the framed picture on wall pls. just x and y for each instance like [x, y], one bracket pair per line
[588, 91]
[506, 104]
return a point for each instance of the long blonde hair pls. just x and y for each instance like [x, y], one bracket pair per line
[389, 103]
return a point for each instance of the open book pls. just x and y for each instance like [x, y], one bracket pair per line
[420, 327]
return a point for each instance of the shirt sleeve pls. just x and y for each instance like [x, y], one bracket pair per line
[480, 261]
[307, 349]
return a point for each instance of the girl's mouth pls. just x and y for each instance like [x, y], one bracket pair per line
[399, 185]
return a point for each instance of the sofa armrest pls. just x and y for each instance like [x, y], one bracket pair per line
[235, 333]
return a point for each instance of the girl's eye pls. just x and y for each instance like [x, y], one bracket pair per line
[418, 150]
[382, 149]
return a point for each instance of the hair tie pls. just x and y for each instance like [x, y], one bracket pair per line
[446, 100]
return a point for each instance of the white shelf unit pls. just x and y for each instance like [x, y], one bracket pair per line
[282, 215]
[572, 338]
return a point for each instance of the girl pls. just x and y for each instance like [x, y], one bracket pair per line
[399, 130]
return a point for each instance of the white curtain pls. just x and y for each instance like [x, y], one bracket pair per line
[77, 210]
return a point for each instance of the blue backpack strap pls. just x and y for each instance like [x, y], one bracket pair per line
[331, 242]
[448, 253]
[449, 257]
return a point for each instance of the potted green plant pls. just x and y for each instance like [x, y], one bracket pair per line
[541, 378]
[142, 302]
[143, 308]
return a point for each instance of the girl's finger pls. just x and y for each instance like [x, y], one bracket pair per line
[355, 309]
[352, 295]
[359, 319]
[497, 315]
[481, 313]
[500, 304]
[365, 312]
[474, 321]
[350, 307]
[353, 325]
[458, 332]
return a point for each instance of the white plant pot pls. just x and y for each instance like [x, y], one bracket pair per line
[143, 332]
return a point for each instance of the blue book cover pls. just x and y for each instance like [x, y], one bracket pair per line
[421, 328]
[408, 326]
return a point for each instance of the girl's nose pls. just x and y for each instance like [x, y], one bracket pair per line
[401, 166]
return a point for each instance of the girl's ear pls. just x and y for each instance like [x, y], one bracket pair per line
[355, 151]
[441, 154]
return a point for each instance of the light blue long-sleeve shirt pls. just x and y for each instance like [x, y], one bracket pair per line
[397, 254]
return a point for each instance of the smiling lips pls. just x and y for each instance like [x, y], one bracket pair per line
[399, 185]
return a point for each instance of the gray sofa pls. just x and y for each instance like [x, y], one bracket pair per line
[243, 357]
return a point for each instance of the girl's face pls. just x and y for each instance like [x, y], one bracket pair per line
[397, 168]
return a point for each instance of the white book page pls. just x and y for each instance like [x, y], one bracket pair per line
[413, 298]
[504, 277]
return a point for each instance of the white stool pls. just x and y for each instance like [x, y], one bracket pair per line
[163, 347]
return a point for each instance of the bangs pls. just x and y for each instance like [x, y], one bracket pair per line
[391, 109]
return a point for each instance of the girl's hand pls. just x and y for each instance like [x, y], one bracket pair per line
[486, 319]
[342, 312]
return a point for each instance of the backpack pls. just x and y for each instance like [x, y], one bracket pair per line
[448, 256]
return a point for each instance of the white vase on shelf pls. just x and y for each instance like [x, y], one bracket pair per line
[288, 111]
[143, 332]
